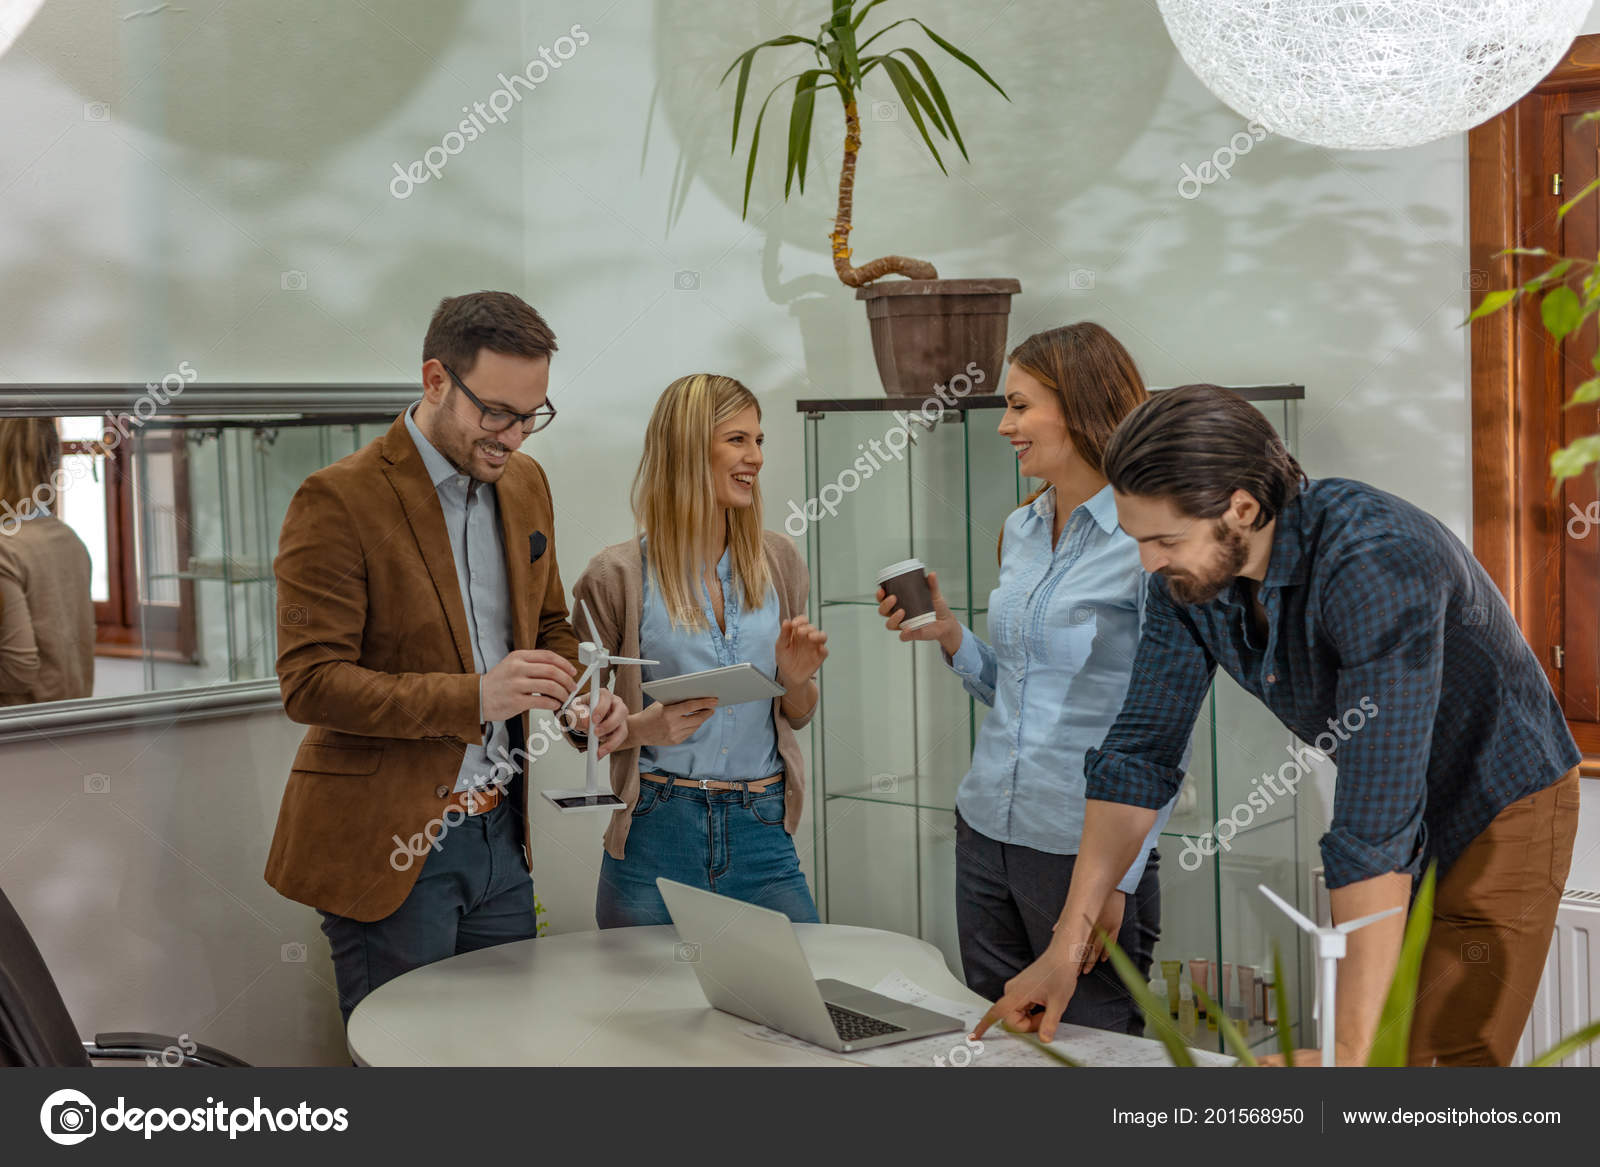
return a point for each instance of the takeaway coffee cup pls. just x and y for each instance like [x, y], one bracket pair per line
[907, 581]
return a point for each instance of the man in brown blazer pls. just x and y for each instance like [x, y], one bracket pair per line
[420, 617]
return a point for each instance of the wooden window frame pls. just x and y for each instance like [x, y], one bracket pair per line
[1515, 516]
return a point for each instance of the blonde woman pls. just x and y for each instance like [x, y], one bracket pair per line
[713, 795]
[47, 628]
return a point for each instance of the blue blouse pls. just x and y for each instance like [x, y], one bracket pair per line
[1065, 622]
[739, 741]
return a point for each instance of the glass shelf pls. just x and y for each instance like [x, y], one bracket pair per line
[209, 499]
[894, 730]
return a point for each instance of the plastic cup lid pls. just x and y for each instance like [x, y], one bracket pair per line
[901, 568]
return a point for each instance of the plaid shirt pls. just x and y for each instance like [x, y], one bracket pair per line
[1387, 647]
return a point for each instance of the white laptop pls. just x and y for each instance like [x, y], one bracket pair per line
[749, 963]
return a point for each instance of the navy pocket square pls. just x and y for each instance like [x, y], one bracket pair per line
[536, 545]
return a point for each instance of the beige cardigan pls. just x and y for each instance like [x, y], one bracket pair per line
[613, 587]
[47, 627]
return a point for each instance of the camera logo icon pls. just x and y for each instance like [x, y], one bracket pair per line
[67, 1117]
[1475, 952]
[292, 281]
[885, 783]
[885, 111]
[686, 281]
[96, 783]
[97, 111]
[293, 952]
[685, 953]
[1081, 279]
[1475, 280]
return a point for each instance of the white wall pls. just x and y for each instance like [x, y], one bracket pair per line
[256, 138]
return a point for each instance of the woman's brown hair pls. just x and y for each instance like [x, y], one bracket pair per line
[1095, 382]
[30, 455]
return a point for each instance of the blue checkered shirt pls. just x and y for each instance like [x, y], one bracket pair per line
[1377, 618]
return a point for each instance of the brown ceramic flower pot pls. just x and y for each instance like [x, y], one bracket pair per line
[924, 332]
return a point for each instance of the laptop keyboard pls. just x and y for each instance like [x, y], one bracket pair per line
[852, 1026]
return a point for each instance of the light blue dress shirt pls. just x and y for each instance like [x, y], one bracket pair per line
[472, 517]
[1065, 623]
[738, 741]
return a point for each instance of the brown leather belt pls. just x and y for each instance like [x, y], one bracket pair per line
[755, 785]
[477, 800]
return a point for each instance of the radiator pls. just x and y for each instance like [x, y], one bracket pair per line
[1569, 992]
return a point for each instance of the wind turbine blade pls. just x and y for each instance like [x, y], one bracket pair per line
[589, 617]
[1352, 925]
[1294, 915]
[630, 660]
[577, 690]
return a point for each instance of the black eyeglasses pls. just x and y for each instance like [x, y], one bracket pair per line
[495, 420]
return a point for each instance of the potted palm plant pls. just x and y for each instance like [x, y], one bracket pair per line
[925, 330]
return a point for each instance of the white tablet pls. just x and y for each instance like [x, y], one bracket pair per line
[733, 685]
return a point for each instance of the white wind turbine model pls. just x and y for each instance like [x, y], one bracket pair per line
[1330, 949]
[597, 660]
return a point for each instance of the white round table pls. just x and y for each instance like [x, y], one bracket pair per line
[619, 997]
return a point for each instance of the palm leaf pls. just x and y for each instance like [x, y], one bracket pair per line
[1029, 1039]
[755, 145]
[906, 86]
[1280, 1003]
[1392, 1040]
[962, 57]
[937, 92]
[862, 15]
[1568, 1046]
[1230, 1032]
[805, 97]
[845, 33]
[1156, 1016]
[743, 62]
[886, 28]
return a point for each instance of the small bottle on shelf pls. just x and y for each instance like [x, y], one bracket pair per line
[1186, 1014]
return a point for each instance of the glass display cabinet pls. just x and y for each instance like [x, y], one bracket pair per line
[894, 731]
[210, 498]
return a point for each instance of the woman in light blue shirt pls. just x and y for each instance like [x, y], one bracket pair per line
[712, 796]
[1064, 623]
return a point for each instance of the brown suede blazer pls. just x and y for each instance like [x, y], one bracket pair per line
[373, 655]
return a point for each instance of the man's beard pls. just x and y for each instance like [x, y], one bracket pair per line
[1193, 589]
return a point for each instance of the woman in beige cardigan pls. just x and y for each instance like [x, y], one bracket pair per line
[713, 795]
[46, 613]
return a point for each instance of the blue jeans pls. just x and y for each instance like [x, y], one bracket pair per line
[1008, 898]
[471, 893]
[728, 841]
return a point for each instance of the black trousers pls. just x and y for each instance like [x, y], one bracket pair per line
[1008, 899]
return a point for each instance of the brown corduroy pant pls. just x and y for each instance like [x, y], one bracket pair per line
[1494, 913]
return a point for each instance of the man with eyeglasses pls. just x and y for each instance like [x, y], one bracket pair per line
[421, 615]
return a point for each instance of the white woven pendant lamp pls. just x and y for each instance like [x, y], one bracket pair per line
[1371, 75]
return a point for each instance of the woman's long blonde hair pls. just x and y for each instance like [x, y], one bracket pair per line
[30, 455]
[675, 501]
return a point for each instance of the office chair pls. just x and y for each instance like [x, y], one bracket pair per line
[37, 1030]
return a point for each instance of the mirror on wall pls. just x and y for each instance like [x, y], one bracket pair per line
[136, 541]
